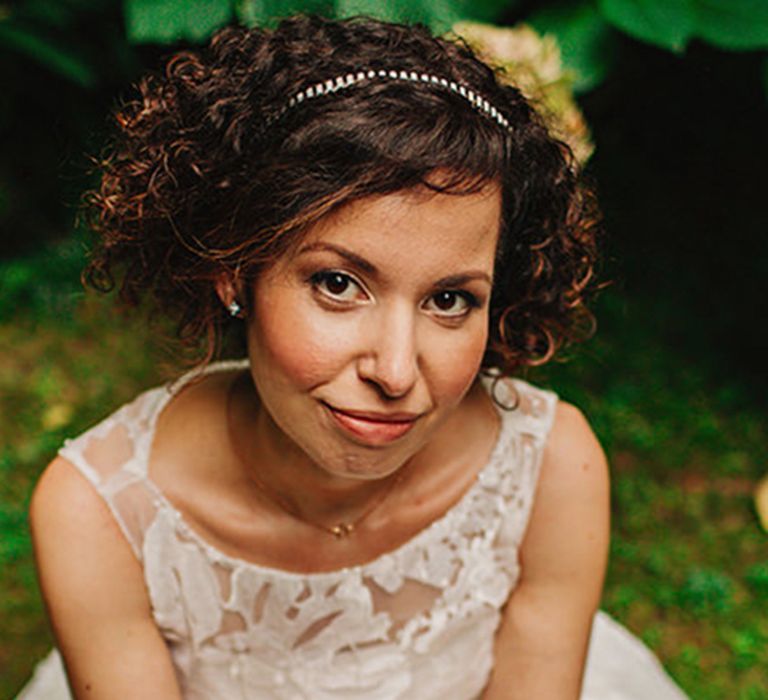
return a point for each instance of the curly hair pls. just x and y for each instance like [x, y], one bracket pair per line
[208, 174]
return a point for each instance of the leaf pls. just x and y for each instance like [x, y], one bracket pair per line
[440, 15]
[666, 23]
[761, 502]
[61, 60]
[55, 14]
[267, 12]
[483, 10]
[733, 24]
[167, 21]
[586, 40]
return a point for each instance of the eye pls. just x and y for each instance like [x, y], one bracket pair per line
[451, 303]
[336, 285]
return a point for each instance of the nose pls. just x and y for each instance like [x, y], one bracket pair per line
[390, 357]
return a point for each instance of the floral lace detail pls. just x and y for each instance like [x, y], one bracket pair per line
[416, 622]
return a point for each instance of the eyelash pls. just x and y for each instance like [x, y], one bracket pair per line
[318, 279]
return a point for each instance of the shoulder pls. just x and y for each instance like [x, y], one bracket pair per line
[82, 556]
[68, 517]
[94, 591]
[572, 451]
[60, 489]
[570, 518]
[543, 639]
[574, 479]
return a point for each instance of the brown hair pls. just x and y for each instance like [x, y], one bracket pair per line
[203, 176]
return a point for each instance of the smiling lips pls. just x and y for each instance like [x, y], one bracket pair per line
[373, 428]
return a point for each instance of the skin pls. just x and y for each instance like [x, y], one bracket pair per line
[364, 344]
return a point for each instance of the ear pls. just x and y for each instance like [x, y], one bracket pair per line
[225, 288]
[228, 290]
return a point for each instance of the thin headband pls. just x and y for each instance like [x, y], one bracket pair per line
[341, 82]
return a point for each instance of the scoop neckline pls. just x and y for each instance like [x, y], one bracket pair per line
[218, 556]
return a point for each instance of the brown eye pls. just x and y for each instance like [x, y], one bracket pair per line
[336, 283]
[445, 301]
[451, 304]
[337, 286]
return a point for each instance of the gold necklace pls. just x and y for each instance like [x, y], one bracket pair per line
[341, 529]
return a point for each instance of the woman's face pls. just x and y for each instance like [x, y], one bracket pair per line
[366, 338]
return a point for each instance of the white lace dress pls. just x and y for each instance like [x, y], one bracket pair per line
[417, 622]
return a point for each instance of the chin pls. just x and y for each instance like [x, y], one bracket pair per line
[366, 463]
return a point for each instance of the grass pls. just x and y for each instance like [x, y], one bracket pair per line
[689, 565]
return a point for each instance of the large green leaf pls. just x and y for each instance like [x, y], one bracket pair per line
[730, 24]
[483, 10]
[266, 12]
[438, 14]
[667, 23]
[586, 40]
[61, 59]
[165, 21]
[733, 24]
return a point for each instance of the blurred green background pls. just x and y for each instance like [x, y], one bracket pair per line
[675, 93]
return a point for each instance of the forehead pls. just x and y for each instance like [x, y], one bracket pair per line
[416, 227]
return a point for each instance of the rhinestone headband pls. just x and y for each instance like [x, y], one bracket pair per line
[341, 82]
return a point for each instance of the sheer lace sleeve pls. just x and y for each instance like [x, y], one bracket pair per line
[112, 456]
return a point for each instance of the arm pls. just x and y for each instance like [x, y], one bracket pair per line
[94, 591]
[542, 642]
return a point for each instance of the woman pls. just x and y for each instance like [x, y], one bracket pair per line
[350, 511]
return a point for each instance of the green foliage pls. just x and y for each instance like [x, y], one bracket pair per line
[267, 12]
[43, 283]
[733, 24]
[63, 60]
[439, 14]
[703, 589]
[14, 544]
[167, 21]
[585, 39]
[668, 23]
[55, 35]
[671, 24]
[757, 579]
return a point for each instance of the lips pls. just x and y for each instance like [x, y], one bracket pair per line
[373, 428]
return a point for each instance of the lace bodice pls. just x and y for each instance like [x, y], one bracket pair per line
[416, 622]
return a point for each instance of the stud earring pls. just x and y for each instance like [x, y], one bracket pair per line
[234, 308]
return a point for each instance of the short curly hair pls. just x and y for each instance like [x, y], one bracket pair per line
[206, 174]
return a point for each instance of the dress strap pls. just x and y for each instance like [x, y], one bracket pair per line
[112, 457]
[528, 413]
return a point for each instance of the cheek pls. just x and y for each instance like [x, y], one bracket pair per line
[455, 370]
[292, 343]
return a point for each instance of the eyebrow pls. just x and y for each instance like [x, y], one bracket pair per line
[369, 268]
[356, 260]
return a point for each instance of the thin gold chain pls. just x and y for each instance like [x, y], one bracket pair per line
[341, 529]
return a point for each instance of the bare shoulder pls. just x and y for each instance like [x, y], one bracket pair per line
[573, 459]
[63, 497]
[72, 528]
[570, 518]
[94, 591]
[542, 642]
